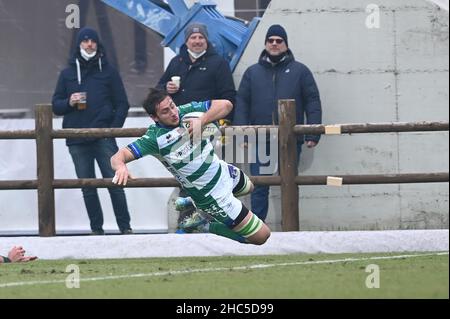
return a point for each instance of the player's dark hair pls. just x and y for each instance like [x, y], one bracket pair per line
[154, 97]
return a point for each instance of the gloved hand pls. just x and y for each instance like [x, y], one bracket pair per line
[224, 123]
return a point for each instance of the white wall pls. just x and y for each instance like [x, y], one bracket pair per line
[397, 73]
[442, 3]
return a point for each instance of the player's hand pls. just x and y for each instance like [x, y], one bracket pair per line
[28, 258]
[17, 254]
[172, 88]
[122, 176]
[224, 140]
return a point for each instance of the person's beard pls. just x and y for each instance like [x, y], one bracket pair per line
[276, 58]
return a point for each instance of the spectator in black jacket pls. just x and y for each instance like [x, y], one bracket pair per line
[276, 76]
[205, 75]
[107, 107]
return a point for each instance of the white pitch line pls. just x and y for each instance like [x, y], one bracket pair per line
[204, 270]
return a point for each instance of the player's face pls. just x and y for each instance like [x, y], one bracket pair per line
[167, 113]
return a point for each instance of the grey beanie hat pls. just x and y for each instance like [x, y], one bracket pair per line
[195, 28]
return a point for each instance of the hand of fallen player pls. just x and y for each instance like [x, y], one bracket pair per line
[27, 259]
[17, 255]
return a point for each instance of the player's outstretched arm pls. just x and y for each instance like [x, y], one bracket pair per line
[118, 164]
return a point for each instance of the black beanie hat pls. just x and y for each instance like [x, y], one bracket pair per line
[87, 34]
[279, 31]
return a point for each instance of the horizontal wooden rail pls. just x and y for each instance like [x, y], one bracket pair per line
[257, 180]
[138, 132]
[376, 179]
[375, 128]
[147, 182]
[99, 133]
[18, 185]
[18, 135]
[242, 130]
[238, 130]
[106, 183]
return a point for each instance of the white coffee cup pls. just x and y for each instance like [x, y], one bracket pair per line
[176, 80]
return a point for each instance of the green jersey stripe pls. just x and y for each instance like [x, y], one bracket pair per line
[208, 176]
[201, 152]
[201, 197]
[202, 170]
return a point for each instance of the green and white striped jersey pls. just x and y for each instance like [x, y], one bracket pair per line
[194, 165]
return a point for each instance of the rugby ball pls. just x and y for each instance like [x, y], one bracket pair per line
[208, 130]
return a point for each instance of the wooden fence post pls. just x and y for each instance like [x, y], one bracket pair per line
[288, 166]
[45, 172]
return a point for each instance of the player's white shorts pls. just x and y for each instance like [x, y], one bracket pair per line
[225, 207]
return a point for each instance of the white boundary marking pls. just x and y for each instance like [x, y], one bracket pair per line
[203, 245]
[204, 270]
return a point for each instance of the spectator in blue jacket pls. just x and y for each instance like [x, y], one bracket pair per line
[277, 76]
[107, 107]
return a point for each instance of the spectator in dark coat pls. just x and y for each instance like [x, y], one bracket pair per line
[204, 74]
[107, 107]
[277, 76]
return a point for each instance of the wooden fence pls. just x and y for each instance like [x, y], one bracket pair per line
[288, 178]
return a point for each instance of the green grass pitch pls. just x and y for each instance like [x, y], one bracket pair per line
[401, 275]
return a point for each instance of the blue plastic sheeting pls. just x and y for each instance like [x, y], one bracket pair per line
[229, 36]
